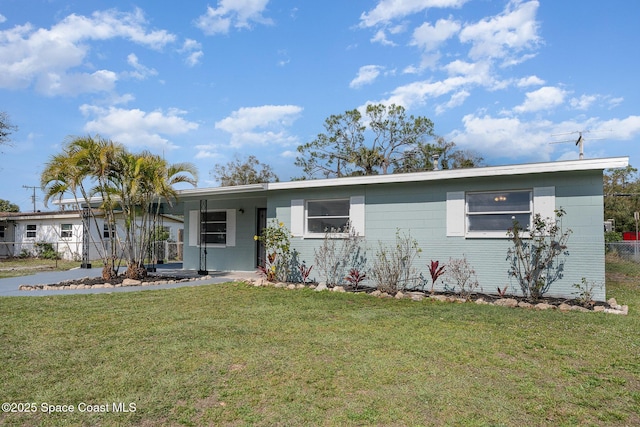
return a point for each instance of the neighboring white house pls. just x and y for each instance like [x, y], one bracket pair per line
[24, 233]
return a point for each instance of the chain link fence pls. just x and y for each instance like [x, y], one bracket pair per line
[164, 251]
[629, 250]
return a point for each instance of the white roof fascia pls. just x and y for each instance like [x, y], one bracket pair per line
[31, 217]
[489, 171]
[213, 191]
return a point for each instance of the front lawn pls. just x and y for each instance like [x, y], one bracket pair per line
[237, 355]
[14, 267]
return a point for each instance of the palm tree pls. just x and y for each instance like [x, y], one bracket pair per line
[83, 167]
[143, 181]
[136, 184]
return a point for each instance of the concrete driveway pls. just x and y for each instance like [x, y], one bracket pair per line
[9, 287]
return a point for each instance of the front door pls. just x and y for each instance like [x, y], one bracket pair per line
[261, 224]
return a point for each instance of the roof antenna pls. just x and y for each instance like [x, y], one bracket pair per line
[579, 142]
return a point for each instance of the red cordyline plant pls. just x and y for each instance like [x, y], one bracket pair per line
[436, 270]
[355, 277]
[305, 272]
[503, 292]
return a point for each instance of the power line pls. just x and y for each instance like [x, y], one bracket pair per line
[33, 197]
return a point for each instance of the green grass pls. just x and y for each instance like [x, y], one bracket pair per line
[14, 267]
[236, 355]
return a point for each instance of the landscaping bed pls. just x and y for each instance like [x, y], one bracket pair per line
[512, 301]
[117, 282]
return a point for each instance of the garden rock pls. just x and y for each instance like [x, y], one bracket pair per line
[544, 306]
[564, 307]
[580, 309]
[399, 295]
[321, 287]
[507, 302]
[131, 282]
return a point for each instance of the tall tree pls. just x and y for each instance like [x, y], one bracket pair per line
[394, 132]
[622, 197]
[7, 206]
[121, 181]
[332, 153]
[397, 143]
[82, 170]
[423, 157]
[141, 182]
[243, 172]
[6, 128]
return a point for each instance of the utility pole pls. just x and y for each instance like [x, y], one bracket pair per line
[33, 197]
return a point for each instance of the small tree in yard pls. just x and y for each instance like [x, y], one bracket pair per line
[535, 257]
[337, 256]
[277, 241]
[463, 276]
[393, 269]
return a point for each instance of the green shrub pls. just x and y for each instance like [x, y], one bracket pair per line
[45, 250]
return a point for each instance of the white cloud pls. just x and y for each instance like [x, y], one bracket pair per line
[501, 36]
[512, 138]
[584, 102]
[137, 128]
[545, 98]
[624, 129]
[208, 151]
[456, 100]
[262, 125]
[381, 37]
[193, 50]
[140, 71]
[417, 93]
[366, 75]
[388, 10]
[2, 19]
[614, 102]
[530, 81]
[505, 137]
[430, 37]
[47, 56]
[236, 13]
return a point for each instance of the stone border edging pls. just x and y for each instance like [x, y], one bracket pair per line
[615, 308]
[125, 283]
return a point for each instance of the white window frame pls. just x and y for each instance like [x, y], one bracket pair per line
[299, 217]
[543, 203]
[498, 193]
[68, 232]
[195, 229]
[33, 231]
[307, 217]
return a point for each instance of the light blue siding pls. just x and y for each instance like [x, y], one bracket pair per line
[242, 256]
[419, 208]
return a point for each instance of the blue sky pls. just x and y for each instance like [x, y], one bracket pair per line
[204, 81]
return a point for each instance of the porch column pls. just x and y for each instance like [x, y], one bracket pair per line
[201, 243]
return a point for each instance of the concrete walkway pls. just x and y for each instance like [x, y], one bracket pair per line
[9, 287]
